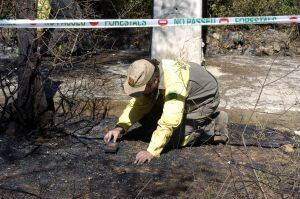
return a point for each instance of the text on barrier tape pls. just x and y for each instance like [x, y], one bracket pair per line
[128, 23]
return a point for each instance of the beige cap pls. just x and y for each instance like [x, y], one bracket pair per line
[139, 74]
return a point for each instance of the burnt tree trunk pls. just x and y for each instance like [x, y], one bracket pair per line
[31, 109]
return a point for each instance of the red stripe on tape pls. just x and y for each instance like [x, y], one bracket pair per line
[162, 22]
[32, 24]
[294, 19]
[224, 20]
[94, 23]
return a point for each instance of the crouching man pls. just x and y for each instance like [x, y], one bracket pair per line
[179, 98]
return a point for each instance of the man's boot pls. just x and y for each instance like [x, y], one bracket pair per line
[221, 131]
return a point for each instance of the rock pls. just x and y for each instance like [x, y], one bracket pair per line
[284, 130]
[228, 45]
[276, 47]
[267, 50]
[288, 148]
[11, 129]
[233, 40]
[259, 42]
[295, 47]
[216, 36]
[240, 49]
[235, 37]
[248, 50]
[297, 132]
[208, 40]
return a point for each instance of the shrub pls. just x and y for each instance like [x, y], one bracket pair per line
[222, 8]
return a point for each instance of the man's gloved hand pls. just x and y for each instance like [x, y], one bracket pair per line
[142, 157]
[112, 134]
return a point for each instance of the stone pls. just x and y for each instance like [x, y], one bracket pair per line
[267, 50]
[297, 132]
[234, 37]
[288, 148]
[248, 50]
[11, 129]
[111, 147]
[216, 36]
[276, 47]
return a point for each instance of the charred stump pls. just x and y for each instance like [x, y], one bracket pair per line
[30, 109]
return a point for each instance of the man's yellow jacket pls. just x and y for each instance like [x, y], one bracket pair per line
[174, 77]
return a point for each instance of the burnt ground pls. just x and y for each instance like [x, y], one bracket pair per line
[69, 162]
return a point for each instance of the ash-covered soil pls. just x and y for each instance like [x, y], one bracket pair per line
[69, 162]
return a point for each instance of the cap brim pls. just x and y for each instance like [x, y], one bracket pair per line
[133, 91]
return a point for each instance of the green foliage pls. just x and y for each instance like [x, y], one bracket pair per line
[122, 9]
[134, 8]
[222, 8]
[7, 9]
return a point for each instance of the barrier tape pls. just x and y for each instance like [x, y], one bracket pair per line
[129, 23]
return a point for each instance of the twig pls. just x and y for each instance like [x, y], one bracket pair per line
[143, 188]
[227, 188]
[73, 49]
[1, 6]
[243, 134]
[297, 67]
[114, 7]
[240, 175]
[130, 8]
[19, 191]
[223, 185]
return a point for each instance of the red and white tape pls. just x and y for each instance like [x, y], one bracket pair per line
[129, 23]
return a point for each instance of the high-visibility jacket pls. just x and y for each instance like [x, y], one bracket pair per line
[174, 80]
[43, 9]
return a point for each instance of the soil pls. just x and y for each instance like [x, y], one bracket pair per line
[69, 162]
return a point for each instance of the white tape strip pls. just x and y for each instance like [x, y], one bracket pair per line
[129, 23]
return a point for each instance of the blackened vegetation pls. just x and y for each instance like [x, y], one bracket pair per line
[72, 163]
[25, 108]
